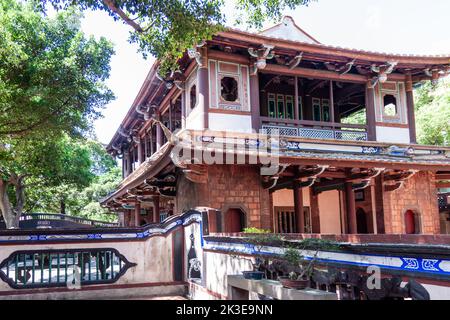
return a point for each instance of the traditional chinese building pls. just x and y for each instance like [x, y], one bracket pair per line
[334, 175]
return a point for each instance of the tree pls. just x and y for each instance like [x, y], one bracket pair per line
[80, 199]
[51, 87]
[432, 111]
[167, 28]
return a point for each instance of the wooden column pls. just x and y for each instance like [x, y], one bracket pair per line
[374, 206]
[315, 214]
[146, 145]
[370, 113]
[298, 207]
[183, 108]
[159, 134]
[379, 194]
[126, 163]
[410, 109]
[156, 209]
[296, 110]
[351, 209]
[141, 156]
[170, 115]
[254, 102]
[331, 102]
[152, 149]
[137, 213]
[203, 88]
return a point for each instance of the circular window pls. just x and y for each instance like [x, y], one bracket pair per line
[229, 89]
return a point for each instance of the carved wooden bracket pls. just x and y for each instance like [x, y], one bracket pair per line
[261, 55]
[382, 72]
[340, 68]
[399, 180]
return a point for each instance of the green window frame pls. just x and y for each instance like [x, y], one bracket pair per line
[271, 108]
[289, 107]
[317, 112]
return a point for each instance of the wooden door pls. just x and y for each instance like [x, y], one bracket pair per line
[234, 220]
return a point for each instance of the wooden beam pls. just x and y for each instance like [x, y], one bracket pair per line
[314, 73]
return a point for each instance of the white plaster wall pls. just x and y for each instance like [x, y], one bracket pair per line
[392, 134]
[218, 266]
[230, 122]
[194, 121]
[330, 215]
[153, 258]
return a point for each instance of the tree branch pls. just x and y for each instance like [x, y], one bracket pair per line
[111, 6]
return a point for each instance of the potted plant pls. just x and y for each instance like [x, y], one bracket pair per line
[257, 238]
[300, 269]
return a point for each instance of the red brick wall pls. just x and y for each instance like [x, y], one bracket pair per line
[418, 194]
[228, 186]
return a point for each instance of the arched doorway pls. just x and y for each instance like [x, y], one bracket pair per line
[361, 221]
[234, 220]
[410, 222]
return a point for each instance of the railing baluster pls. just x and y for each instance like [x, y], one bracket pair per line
[82, 265]
[89, 266]
[97, 264]
[57, 270]
[42, 267]
[34, 269]
[104, 265]
[49, 267]
[66, 262]
[16, 269]
[112, 264]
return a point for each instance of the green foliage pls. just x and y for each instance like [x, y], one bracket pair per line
[358, 117]
[80, 199]
[52, 86]
[432, 111]
[51, 75]
[167, 28]
[254, 230]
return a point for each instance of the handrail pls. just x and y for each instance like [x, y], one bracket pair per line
[63, 217]
[312, 123]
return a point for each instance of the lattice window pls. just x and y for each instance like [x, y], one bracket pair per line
[59, 268]
[280, 130]
[350, 135]
[315, 133]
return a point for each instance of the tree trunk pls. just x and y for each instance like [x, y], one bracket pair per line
[62, 206]
[12, 215]
[5, 207]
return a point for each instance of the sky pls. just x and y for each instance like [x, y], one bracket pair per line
[400, 26]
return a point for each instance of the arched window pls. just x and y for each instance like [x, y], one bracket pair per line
[234, 220]
[390, 105]
[193, 96]
[229, 89]
[410, 222]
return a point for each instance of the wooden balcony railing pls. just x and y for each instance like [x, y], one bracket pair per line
[314, 129]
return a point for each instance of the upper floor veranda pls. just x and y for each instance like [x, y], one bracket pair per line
[280, 79]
